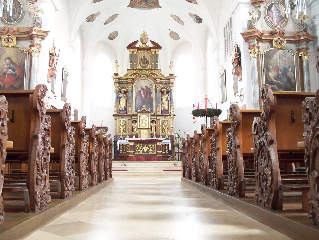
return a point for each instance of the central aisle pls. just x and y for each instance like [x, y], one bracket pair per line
[153, 208]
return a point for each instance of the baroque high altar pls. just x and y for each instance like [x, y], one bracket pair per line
[144, 106]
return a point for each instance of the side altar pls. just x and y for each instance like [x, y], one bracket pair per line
[144, 106]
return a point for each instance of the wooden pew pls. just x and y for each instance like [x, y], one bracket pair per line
[183, 157]
[81, 153]
[205, 155]
[239, 145]
[218, 145]
[195, 156]
[187, 150]
[310, 118]
[276, 133]
[101, 157]
[3, 148]
[110, 157]
[93, 155]
[62, 140]
[30, 130]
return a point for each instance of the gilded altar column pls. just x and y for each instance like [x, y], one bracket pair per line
[116, 100]
[171, 100]
[129, 100]
[305, 67]
[158, 99]
[255, 80]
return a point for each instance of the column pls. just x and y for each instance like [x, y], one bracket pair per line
[116, 100]
[158, 99]
[255, 81]
[305, 67]
[171, 102]
[129, 100]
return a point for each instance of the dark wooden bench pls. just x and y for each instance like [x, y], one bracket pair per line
[93, 155]
[81, 154]
[276, 133]
[310, 117]
[62, 175]
[30, 130]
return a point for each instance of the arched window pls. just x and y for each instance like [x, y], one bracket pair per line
[185, 81]
[102, 81]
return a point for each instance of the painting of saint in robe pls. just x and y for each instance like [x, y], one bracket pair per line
[12, 70]
[143, 95]
[148, 4]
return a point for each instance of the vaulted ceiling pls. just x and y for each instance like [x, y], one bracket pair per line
[94, 20]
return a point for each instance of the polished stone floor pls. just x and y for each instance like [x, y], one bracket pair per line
[153, 208]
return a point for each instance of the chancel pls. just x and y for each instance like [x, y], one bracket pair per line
[159, 119]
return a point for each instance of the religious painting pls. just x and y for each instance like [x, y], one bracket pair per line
[14, 15]
[279, 70]
[174, 35]
[92, 17]
[110, 19]
[275, 15]
[145, 4]
[144, 95]
[177, 19]
[223, 85]
[144, 59]
[113, 35]
[12, 68]
[196, 18]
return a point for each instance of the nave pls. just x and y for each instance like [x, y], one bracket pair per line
[153, 207]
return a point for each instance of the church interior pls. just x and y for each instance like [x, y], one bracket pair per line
[159, 119]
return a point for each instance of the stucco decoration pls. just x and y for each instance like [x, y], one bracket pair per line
[92, 17]
[96, 1]
[113, 35]
[177, 19]
[174, 35]
[196, 18]
[145, 4]
[110, 19]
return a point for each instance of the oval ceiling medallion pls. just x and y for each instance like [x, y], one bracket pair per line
[177, 19]
[196, 18]
[174, 35]
[191, 1]
[113, 35]
[92, 17]
[144, 4]
[110, 19]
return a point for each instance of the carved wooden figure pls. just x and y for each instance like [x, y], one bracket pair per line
[110, 157]
[3, 148]
[195, 156]
[268, 193]
[101, 157]
[236, 181]
[205, 155]
[310, 118]
[216, 163]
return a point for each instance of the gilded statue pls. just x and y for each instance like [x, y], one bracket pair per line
[165, 101]
[153, 129]
[122, 100]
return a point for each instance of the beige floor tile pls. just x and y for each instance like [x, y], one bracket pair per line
[154, 208]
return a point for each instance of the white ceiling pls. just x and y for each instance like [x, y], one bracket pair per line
[132, 22]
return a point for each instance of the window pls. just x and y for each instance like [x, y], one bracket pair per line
[102, 81]
[228, 38]
[185, 81]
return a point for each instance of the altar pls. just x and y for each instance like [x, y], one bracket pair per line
[144, 149]
[144, 106]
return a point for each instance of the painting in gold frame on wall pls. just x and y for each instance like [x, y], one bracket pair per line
[12, 68]
[275, 15]
[280, 70]
[144, 95]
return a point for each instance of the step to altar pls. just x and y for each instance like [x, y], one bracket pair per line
[147, 167]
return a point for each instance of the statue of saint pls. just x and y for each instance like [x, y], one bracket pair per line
[122, 99]
[165, 101]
